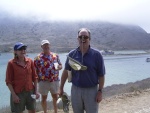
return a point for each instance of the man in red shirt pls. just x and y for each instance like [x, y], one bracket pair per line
[47, 66]
[21, 80]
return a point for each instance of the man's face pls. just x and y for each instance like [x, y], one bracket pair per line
[46, 48]
[84, 39]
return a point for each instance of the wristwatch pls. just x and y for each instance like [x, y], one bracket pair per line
[100, 90]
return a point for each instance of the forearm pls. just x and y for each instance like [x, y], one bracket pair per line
[63, 78]
[35, 89]
[99, 93]
[35, 85]
[60, 67]
[15, 98]
[101, 82]
[11, 89]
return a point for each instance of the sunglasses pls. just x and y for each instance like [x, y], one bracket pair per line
[22, 48]
[83, 36]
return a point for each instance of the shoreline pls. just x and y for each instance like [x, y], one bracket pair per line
[105, 56]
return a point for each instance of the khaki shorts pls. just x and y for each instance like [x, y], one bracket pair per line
[26, 101]
[45, 86]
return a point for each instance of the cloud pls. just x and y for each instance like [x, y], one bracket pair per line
[121, 11]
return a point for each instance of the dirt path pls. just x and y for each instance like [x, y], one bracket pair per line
[136, 102]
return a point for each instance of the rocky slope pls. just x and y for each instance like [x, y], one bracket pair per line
[62, 35]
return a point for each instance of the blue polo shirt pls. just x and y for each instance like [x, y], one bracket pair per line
[95, 68]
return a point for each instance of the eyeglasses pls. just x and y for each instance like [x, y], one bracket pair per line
[22, 48]
[83, 36]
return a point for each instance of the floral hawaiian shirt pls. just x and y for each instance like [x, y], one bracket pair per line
[45, 69]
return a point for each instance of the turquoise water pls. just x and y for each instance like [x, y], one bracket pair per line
[119, 70]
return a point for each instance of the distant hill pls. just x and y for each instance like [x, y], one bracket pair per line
[62, 35]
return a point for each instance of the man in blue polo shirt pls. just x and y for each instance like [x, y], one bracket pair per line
[87, 85]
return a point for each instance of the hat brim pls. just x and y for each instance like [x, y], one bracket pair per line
[76, 65]
[66, 102]
[21, 46]
[45, 43]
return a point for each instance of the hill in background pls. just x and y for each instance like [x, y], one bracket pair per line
[62, 35]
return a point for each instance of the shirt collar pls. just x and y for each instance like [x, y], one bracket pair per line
[43, 55]
[78, 49]
[16, 59]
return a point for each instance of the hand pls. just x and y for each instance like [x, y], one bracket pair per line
[61, 91]
[37, 95]
[15, 98]
[59, 67]
[99, 97]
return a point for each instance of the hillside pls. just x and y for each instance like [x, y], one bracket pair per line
[62, 35]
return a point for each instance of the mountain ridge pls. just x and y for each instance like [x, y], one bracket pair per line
[63, 35]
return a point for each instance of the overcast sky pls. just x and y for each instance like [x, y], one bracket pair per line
[119, 11]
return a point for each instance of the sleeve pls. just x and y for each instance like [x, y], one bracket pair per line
[67, 66]
[100, 65]
[58, 60]
[35, 64]
[9, 74]
[34, 74]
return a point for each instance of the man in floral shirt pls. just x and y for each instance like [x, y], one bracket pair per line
[47, 66]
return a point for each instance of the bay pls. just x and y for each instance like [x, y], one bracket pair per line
[119, 70]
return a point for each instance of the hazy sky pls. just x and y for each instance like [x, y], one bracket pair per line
[118, 11]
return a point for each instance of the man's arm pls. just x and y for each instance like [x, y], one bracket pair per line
[35, 86]
[14, 96]
[99, 92]
[11, 89]
[59, 66]
[35, 89]
[63, 80]
[35, 78]
[101, 82]
[9, 81]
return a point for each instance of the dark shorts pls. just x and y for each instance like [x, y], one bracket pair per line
[26, 101]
